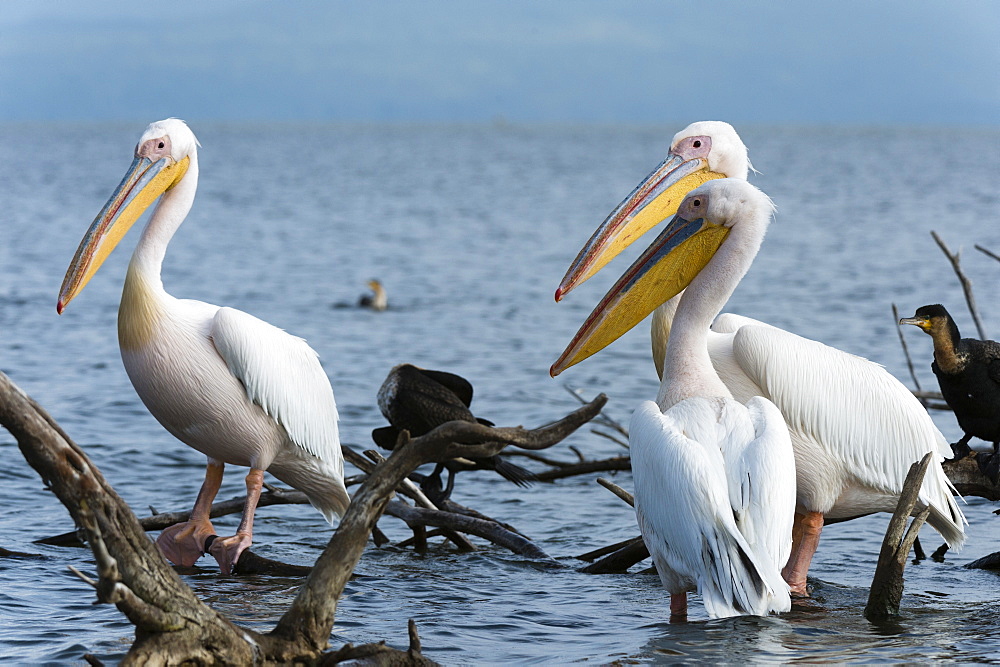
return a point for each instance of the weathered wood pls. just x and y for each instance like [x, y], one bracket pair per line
[970, 299]
[602, 418]
[617, 490]
[489, 530]
[172, 624]
[134, 576]
[887, 584]
[988, 253]
[272, 496]
[604, 551]
[990, 562]
[587, 467]
[620, 561]
[969, 479]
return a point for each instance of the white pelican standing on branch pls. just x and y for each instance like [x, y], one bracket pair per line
[714, 477]
[854, 427]
[230, 385]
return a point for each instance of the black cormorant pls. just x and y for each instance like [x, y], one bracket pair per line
[968, 372]
[419, 400]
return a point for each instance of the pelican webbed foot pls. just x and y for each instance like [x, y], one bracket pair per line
[184, 543]
[227, 550]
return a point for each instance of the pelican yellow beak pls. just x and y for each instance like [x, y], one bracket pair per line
[667, 267]
[143, 183]
[654, 200]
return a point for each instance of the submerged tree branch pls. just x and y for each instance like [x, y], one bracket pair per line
[172, 624]
[970, 299]
[887, 584]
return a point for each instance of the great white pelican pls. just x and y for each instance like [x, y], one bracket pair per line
[231, 386]
[855, 429]
[714, 480]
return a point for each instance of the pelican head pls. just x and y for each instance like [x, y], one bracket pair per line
[703, 222]
[703, 151]
[162, 157]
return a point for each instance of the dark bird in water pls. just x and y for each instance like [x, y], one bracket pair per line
[968, 372]
[377, 300]
[418, 400]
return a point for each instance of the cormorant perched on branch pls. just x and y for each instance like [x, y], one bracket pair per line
[419, 400]
[968, 372]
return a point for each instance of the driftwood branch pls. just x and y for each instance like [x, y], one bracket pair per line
[621, 559]
[142, 585]
[970, 299]
[586, 467]
[969, 479]
[602, 419]
[489, 530]
[172, 624]
[887, 584]
[617, 490]
[617, 557]
[988, 253]
[932, 400]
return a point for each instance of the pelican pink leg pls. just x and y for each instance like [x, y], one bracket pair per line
[184, 543]
[227, 550]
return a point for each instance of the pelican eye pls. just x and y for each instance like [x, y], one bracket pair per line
[696, 202]
[697, 143]
[161, 145]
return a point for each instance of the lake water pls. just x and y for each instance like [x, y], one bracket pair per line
[471, 228]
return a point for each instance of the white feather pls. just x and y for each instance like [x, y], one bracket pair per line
[282, 375]
[855, 428]
[684, 512]
[225, 383]
[759, 460]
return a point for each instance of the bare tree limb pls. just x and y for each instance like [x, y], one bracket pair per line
[986, 252]
[602, 418]
[617, 490]
[970, 299]
[604, 551]
[887, 584]
[969, 479]
[603, 465]
[142, 585]
[621, 560]
[309, 620]
[172, 625]
[489, 530]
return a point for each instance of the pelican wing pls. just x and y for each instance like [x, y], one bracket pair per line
[854, 410]
[282, 375]
[760, 467]
[731, 323]
[683, 509]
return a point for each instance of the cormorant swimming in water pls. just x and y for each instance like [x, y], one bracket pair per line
[419, 400]
[377, 300]
[968, 372]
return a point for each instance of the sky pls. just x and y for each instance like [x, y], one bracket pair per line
[850, 62]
